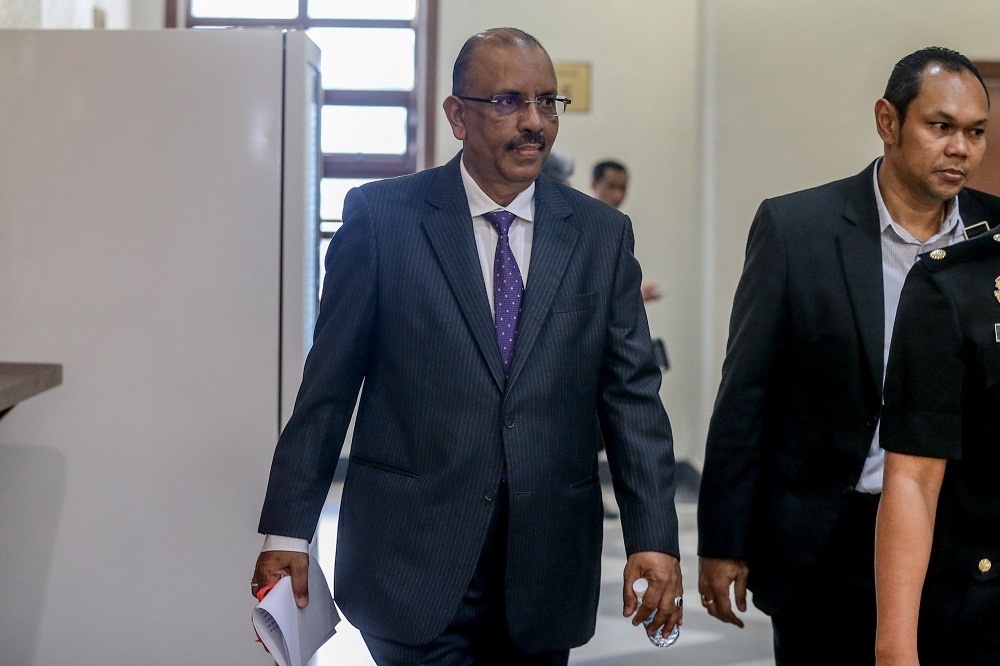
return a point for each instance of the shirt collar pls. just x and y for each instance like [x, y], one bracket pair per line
[885, 220]
[523, 205]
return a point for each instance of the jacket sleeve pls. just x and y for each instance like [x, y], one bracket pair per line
[923, 393]
[733, 451]
[634, 425]
[308, 449]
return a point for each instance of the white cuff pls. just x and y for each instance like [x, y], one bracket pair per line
[274, 542]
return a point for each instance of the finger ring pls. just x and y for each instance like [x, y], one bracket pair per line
[708, 602]
[679, 602]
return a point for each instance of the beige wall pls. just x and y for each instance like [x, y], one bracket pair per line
[62, 13]
[644, 113]
[21, 14]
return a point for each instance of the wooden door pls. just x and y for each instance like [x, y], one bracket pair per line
[987, 177]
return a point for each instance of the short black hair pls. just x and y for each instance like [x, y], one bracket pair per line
[602, 167]
[505, 36]
[907, 76]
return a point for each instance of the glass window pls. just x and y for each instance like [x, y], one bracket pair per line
[364, 129]
[405, 10]
[367, 58]
[246, 9]
[331, 195]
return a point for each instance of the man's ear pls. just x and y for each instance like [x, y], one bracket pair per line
[455, 112]
[887, 122]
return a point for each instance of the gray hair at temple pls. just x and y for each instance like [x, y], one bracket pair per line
[506, 36]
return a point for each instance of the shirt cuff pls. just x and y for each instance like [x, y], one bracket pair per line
[274, 542]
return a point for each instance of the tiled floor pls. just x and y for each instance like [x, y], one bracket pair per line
[704, 641]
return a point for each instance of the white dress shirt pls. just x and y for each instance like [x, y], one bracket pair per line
[899, 253]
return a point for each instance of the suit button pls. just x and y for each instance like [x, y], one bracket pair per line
[871, 421]
[985, 565]
[490, 495]
[509, 421]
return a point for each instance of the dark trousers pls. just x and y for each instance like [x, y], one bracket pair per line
[478, 633]
[959, 620]
[830, 617]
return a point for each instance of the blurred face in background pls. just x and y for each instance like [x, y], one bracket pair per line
[611, 187]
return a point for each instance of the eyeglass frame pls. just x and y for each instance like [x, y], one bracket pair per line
[566, 101]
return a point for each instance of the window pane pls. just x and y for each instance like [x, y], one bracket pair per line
[324, 245]
[366, 58]
[364, 129]
[331, 196]
[251, 9]
[363, 9]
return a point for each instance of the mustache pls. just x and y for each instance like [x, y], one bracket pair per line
[527, 138]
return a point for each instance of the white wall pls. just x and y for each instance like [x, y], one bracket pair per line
[21, 14]
[644, 101]
[62, 13]
[147, 14]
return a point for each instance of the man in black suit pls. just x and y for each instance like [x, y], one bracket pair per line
[471, 522]
[793, 468]
[937, 556]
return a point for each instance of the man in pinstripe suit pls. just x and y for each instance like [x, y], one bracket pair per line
[471, 518]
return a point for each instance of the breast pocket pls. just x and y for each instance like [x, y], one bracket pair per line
[576, 303]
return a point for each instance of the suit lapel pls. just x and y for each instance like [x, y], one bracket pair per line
[860, 247]
[551, 248]
[449, 231]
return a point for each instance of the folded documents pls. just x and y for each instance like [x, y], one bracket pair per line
[292, 634]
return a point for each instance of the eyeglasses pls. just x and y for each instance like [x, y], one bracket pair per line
[508, 104]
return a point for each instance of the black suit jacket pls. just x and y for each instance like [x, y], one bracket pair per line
[801, 389]
[405, 311]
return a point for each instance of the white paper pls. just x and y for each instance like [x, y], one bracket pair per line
[292, 634]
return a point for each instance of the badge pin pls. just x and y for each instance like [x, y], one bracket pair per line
[938, 254]
[975, 229]
[996, 290]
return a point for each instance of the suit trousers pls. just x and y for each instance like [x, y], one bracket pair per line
[959, 620]
[830, 618]
[478, 633]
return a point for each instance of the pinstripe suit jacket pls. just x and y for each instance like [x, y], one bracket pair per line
[405, 312]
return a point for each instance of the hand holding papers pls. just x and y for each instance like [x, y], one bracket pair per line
[292, 634]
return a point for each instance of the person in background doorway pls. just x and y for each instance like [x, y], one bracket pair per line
[610, 185]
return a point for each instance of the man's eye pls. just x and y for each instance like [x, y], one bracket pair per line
[546, 102]
[508, 101]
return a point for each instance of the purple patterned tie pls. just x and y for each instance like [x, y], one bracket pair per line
[507, 287]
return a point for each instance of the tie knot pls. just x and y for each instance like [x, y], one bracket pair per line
[501, 220]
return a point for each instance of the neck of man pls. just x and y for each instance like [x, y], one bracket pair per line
[921, 216]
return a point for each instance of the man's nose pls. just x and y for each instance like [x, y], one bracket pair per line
[958, 144]
[531, 118]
